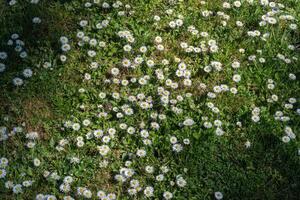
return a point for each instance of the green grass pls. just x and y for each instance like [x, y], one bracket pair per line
[268, 169]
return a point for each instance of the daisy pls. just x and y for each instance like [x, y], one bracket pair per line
[218, 195]
[17, 189]
[141, 153]
[76, 126]
[126, 63]
[285, 139]
[18, 81]
[236, 78]
[148, 191]
[2, 173]
[36, 162]
[167, 195]
[2, 67]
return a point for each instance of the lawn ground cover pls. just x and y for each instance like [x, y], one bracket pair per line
[149, 99]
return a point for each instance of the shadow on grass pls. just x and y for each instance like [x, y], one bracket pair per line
[41, 43]
[41, 99]
[269, 171]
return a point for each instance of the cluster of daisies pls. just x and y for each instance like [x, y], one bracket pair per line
[141, 95]
[65, 47]
[19, 185]
[14, 2]
[18, 45]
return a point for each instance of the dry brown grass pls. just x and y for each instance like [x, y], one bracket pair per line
[35, 111]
